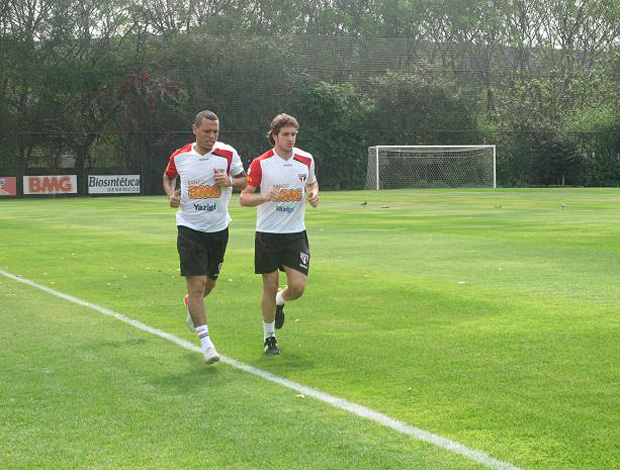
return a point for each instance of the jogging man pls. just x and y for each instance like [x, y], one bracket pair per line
[208, 171]
[284, 174]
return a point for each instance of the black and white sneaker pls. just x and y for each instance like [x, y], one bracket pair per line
[279, 316]
[271, 347]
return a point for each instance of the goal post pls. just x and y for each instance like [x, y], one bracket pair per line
[431, 166]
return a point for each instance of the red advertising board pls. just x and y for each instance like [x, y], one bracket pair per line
[8, 186]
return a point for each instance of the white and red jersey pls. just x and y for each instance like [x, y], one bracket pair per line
[204, 205]
[286, 215]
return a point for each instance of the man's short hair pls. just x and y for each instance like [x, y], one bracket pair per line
[280, 121]
[206, 114]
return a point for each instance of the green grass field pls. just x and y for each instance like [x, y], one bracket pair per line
[488, 317]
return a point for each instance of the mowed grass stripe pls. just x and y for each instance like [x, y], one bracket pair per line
[81, 392]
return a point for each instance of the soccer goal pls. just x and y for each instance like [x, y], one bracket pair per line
[431, 166]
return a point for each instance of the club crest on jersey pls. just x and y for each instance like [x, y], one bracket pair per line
[304, 257]
[302, 177]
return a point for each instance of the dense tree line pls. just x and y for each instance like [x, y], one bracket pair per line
[114, 84]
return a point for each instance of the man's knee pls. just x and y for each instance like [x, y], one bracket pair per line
[197, 285]
[295, 289]
[270, 283]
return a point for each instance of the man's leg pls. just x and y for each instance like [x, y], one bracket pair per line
[296, 284]
[293, 290]
[209, 285]
[198, 287]
[268, 307]
[268, 301]
[196, 291]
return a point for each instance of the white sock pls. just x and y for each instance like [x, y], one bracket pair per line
[279, 298]
[203, 333]
[269, 329]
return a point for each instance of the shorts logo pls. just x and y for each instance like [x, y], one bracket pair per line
[304, 257]
[302, 177]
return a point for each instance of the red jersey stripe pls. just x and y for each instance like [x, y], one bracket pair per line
[171, 169]
[227, 155]
[255, 174]
[305, 160]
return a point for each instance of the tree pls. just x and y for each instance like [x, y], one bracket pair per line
[525, 74]
[331, 118]
[556, 161]
[25, 28]
[420, 108]
[597, 133]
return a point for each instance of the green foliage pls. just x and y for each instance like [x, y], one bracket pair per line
[554, 126]
[556, 162]
[518, 74]
[597, 131]
[420, 108]
[332, 118]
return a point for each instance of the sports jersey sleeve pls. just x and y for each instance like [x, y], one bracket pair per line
[311, 173]
[171, 169]
[236, 166]
[255, 174]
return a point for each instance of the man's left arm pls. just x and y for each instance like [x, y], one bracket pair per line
[237, 181]
[312, 190]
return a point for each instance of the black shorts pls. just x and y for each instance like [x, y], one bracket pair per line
[201, 253]
[273, 251]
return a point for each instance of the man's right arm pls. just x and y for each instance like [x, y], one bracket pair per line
[250, 198]
[174, 196]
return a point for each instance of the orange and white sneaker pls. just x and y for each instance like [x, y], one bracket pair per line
[190, 322]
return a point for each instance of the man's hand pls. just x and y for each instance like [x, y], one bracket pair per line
[221, 178]
[272, 195]
[175, 198]
[313, 198]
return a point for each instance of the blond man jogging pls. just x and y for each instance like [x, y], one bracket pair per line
[285, 176]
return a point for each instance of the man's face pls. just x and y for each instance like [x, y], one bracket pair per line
[285, 140]
[206, 134]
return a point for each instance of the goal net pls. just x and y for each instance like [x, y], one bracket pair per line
[431, 166]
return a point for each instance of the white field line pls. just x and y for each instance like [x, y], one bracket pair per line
[358, 410]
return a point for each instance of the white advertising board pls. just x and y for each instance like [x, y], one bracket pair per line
[113, 184]
[50, 184]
